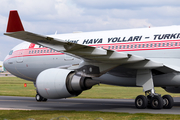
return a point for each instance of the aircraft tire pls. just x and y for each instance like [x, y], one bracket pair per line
[38, 98]
[141, 102]
[169, 102]
[156, 102]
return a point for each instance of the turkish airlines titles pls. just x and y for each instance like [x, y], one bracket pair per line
[128, 39]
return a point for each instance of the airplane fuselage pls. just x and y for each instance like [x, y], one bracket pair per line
[161, 44]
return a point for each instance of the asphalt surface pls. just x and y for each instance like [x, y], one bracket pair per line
[107, 105]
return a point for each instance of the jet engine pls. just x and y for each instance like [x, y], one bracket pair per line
[57, 83]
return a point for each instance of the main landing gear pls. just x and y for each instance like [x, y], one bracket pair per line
[151, 99]
[154, 101]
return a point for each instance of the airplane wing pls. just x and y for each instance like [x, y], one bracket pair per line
[96, 62]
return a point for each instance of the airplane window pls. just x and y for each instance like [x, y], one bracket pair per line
[32, 51]
[143, 46]
[124, 46]
[41, 51]
[102, 47]
[155, 45]
[131, 46]
[11, 52]
[50, 50]
[44, 51]
[163, 44]
[38, 51]
[167, 44]
[176, 44]
[120, 46]
[35, 52]
[151, 45]
[135, 46]
[29, 52]
[179, 44]
[147, 45]
[109, 47]
[139, 45]
[112, 47]
[116, 47]
[127, 46]
[47, 51]
[172, 44]
[159, 44]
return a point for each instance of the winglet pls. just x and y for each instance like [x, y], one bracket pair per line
[14, 22]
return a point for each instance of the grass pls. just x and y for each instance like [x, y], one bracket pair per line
[80, 115]
[13, 86]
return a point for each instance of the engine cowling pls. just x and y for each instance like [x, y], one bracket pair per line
[57, 83]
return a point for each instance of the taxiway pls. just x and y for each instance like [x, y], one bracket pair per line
[106, 105]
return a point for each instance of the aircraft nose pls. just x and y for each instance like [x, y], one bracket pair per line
[5, 64]
[9, 65]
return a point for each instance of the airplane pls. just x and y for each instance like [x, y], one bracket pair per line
[64, 65]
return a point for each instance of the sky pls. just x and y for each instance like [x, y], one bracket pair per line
[66, 16]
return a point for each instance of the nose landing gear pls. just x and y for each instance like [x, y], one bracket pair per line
[39, 98]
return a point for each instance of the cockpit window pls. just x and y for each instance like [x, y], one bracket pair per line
[11, 52]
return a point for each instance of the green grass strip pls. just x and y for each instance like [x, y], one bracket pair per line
[13, 86]
[80, 115]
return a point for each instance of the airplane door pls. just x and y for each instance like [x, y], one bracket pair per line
[20, 57]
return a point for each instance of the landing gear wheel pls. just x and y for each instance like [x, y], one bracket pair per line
[168, 102]
[39, 98]
[141, 102]
[156, 102]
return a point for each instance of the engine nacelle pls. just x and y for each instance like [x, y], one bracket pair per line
[57, 83]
